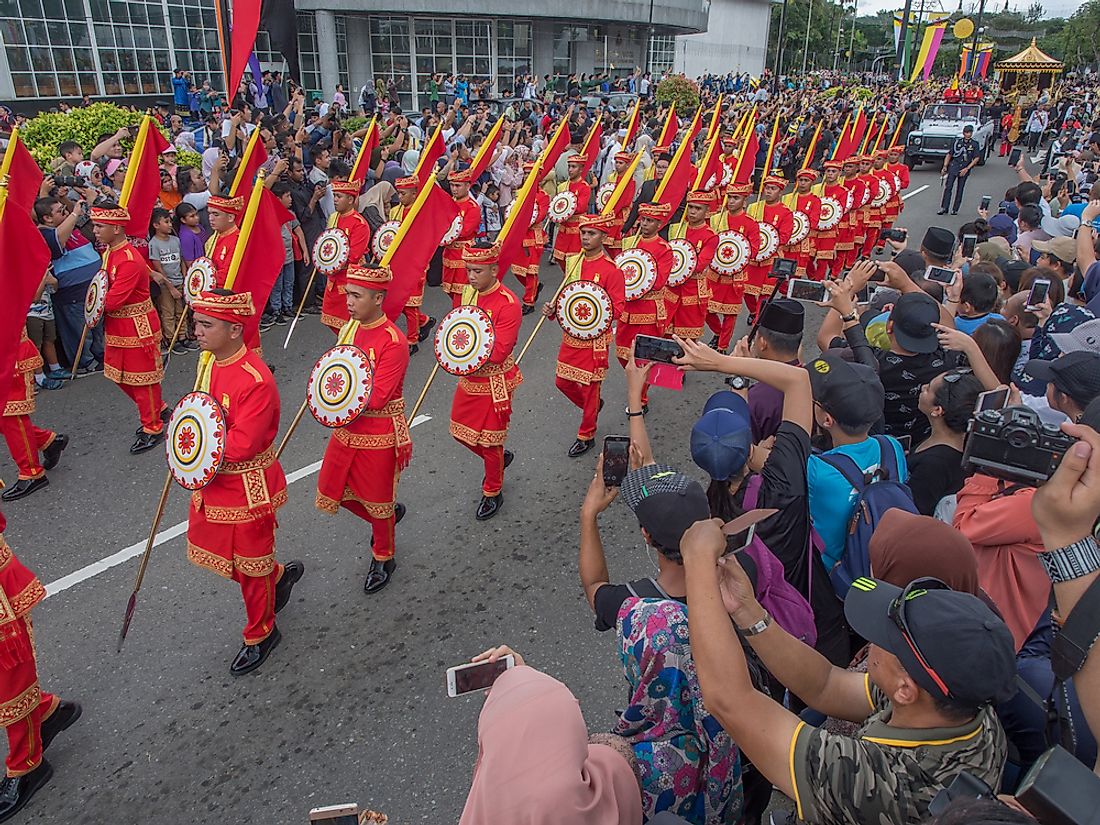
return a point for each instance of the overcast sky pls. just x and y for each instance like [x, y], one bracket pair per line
[1053, 8]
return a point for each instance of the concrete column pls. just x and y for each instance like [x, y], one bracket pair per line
[359, 55]
[326, 50]
[542, 48]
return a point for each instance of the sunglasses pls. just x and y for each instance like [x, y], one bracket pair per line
[915, 589]
[956, 375]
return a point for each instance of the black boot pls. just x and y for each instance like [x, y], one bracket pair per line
[251, 657]
[580, 447]
[16, 791]
[292, 573]
[52, 454]
[379, 575]
[489, 506]
[63, 717]
[399, 511]
[24, 487]
[425, 330]
[509, 456]
[146, 441]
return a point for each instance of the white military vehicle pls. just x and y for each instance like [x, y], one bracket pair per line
[941, 124]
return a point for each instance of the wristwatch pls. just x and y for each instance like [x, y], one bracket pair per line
[849, 318]
[759, 627]
[739, 382]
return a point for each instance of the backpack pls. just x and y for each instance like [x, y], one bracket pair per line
[877, 492]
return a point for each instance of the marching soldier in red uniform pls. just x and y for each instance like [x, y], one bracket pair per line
[482, 403]
[364, 460]
[346, 217]
[826, 251]
[582, 364]
[31, 717]
[568, 239]
[805, 201]
[25, 440]
[224, 212]
[873, 214]
[845, 233]
[775, 214]
[231, 522]
[613, 243]
[526, 267]
[418, 326]
[727, 292]
[897, 177]
[693, 294]
[454, 269]
[858, 196]
[131, 326]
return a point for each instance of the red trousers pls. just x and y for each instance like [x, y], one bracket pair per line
[587, 398]
[258, 593]
[25, 442]
[493, 457]
[25, 736]
[149, 404]
[722, 326]
[382, 530]
[414, 320]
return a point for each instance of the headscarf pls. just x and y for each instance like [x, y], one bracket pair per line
[906, 546]
[409, 160]
[534, 763]
[380, 196]
[687, 763]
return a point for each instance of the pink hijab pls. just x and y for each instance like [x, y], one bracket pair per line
[534, 763]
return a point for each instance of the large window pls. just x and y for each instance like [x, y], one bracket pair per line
[513, 55]
[472, 57]
[49, 47]
[662, 53]
[390, 56]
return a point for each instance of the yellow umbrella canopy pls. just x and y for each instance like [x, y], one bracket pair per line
[1031, 59]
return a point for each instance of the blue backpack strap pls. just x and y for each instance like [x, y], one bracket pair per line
[888, 459]
[847, 467]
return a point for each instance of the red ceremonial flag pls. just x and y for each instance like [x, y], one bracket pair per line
[255, 156]
[485, 152]
[26, 257]
[855, 136]
[242, 39]
[632, 125]
[671, 127]
[711, 167]
[679, 177]
[24, 176]
[362, 160]
[557, 144]
[141, 188]
[591, 147]
[408, 256]
[510, 239]
[430, 153]
[258, 257]
[746, 161]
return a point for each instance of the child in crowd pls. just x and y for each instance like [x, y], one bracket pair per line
[489, 201]
[165, 260]
[43, 334]
[192, 234]
[281, 303]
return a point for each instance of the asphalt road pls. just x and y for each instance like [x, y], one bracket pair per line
[352, 706]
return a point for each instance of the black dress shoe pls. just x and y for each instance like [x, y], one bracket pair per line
[580, 447]
[52, 454]
[426, 330]
[489, 506]
[527, 309]
[413, 349]
[538, 292]
[145, 442]
[292, 573]
[713, 342]
[251, 657]
[166, 415]
[954, 211]
[16, 791]
[509, 456]
[399, 511]
[24, 487]
[379, 575]
[942, 212]
[63, 717]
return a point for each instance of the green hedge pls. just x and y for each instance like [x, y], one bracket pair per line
[683, 91]
[45, 132]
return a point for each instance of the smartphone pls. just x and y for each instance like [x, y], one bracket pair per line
[1014, 157]
[941, 275]
[863, 296]
[991, 400]
[739, 541]
[661, 350]
[969, 244]
[346, 814]
[906, 441]
[784, 267]
[803, 289]
[986, 200]
[476, 676]
[1040, 288]
[616, 460]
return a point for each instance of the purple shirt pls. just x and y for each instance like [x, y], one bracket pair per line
[766, 409]
[193, 245]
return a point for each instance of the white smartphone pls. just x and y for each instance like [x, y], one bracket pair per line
[941, 275]
[1040, 288]
[476, 676]
[738, 542]
[346, 814]
[804, 289]
[991, 400]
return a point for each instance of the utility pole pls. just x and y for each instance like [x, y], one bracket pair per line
[839, 29]
[779, 45]
[648, 40]
[806, 45]
[902, 39]
[852, 39]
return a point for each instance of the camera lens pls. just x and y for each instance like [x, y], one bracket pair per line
[1019, 437]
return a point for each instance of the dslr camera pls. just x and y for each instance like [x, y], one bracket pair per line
[898, 235]
[1013, 443]
[74, 181]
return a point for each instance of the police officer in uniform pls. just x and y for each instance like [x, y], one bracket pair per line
[956, 166]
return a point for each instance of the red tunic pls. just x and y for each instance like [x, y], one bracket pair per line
[131, 326]
[364, 460]
[482, 404]
[534, 241]
[454, 271]
[857, 216]
[220, 248]
[782, 221]
[899, 182]
[872, 214]
[727, 291]
[649, 314]
[844, 232]
[613, 243]
[694, 293]
[581, 361]
[231, 522]
[568, 239]
[334, 305]
[805, 252]
[20, 693]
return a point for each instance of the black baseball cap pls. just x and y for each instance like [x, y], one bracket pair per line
[1077, 374]
[850, 393]
[968, 652]
[665, 501]
[912, 316]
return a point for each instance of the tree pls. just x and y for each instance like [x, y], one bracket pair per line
[1034, 12]
[1080, 38]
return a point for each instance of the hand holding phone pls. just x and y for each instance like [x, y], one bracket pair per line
[986, 200]
[941, 275]
[991, 400]
[1037, 296]
[660, 350]
[969, 244]
[805, 289]
[476, 676]
[616, 459]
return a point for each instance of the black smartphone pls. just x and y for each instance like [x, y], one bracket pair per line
[616, 459]
[986, 200]
[784, 267]
[661, 350]
[1037, 296]
[940, 274]
[969, 244]
[1014, 157]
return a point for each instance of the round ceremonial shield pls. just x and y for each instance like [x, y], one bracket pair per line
[830, 212]
[383, 237]
[340, 386]
[897, 181]
[769, 241]
[639, 270]
[684, 260]
[453, 232]
[801, 226]
[202, 276]
[95, 298]
[732, 253]
[562, 206]
[196, 440]
[603, 195]
[331, 251]
[727, 175]
[882, 193]
[464, 340]
[850, 201]
[584, 310]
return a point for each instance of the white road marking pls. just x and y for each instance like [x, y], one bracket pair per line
[134, 550]
[917, 191]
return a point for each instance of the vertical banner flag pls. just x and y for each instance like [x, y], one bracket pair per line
[929, 48]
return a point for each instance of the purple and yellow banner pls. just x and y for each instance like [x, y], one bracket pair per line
[929, 48]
